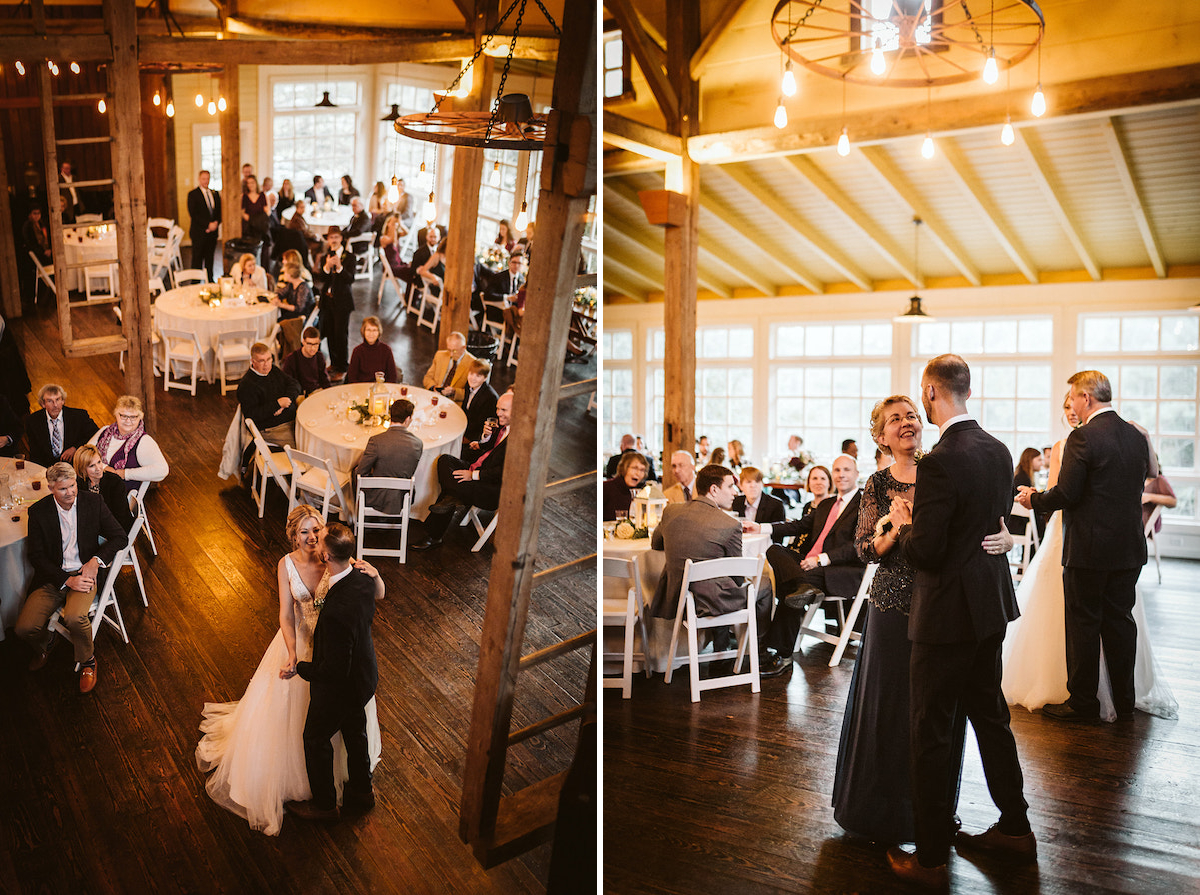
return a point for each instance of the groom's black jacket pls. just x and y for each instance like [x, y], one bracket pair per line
[343, 662]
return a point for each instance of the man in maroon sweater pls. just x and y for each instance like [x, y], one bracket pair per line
[307, 364]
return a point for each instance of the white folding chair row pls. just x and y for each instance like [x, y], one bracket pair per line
[366, 259]
[190, 277]
[183, 348]
[484, 532]
[1027, 541]
[316, 476]
[428, 300]
[1152, 536]
[388, 277]
[750, 568]
[846, 620]
[625, 613]
[233, 348]
[269, 465]
[385, 521]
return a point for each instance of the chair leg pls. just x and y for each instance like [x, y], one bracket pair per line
[627, 661]
[137, 571]
[693, 652]
[150, 535]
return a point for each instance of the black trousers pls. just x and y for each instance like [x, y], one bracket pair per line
[329, 713]
[204, 247]
[473, 494]
[1099, 609]
[948, 679]
[789, 577]
[335, 327]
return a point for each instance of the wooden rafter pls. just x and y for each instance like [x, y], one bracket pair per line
[649, 55]
[892, 180]
[1120, 156]
[301, 52]
[698, 64]
[1048, 185]
[964, 176]
[646, 141]
[631, 270]
[618, 283]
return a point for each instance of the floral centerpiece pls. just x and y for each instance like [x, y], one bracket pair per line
[493, 257]
[363, 409]
[211, 295]
[627, 531]
[585, 297]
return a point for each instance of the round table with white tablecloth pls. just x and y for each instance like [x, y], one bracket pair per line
[183, 309]
[339, 216]
[15, 570]
[82, 246]
[324, 429]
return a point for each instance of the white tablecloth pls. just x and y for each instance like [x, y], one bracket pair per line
[182, 309]
[79, 248]
[327, 432]
[339, 217]
[15, 570]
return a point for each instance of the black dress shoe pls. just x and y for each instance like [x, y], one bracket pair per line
[447, 503]
[803, 597]
[1015, 849]
[357, 803]
[1062, 711]
[426, 544]
[309, 811]
[774, 666]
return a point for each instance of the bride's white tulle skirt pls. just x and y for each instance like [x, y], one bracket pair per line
[255, 746]
[1035, 647]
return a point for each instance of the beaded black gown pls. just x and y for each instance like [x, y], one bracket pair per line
[872, 790]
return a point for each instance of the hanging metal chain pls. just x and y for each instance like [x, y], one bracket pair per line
[974, 27]
[512, 48]
[549, 18]
[803, 19]
[483, 45]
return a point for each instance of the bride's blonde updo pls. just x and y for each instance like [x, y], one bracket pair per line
[296, 517]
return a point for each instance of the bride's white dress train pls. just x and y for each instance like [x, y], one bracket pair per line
[1035, 651]
[256, 744]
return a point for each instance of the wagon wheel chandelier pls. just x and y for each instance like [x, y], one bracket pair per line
[511, 124]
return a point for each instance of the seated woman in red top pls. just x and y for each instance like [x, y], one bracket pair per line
[372, 356]
[504, 237]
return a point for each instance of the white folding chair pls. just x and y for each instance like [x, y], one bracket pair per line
[174, 245]
[160, 265]
[312, 317]
[104, 606]
[190, 277]
[363, 247]
[269, 465]
[415, 295]
[141, 508]
[234, 348]
[157, 240]
[625, 613]
[45, 273]
[140, 521]
[847, 620]
[88, 218]
[272, 340]
[316, 476]
[365, 512]
[100, 281]
[744, 619]
[428, 300]
[1027, 541]
[495, 326]
[484, 532]
[1152, 537]
[181, 347]
[388, 277]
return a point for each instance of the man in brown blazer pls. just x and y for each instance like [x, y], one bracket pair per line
[448, 372]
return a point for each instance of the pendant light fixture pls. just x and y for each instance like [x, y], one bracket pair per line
[843, 144]
[915, 313]
[326, 102]
[1038, 106]
[787, 84]
[991, 71]
[927, 148]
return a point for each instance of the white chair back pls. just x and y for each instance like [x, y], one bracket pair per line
[234, 348]
[388, 277]
[365, 513]
[316, 476]
[1027, 541]
[45, 273]
[181, 347]
[141, 507]
[190, 277]
[626, 613]
[269, 465]
[847, 620]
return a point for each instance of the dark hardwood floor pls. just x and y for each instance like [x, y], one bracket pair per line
[732, 794]
[101, 793]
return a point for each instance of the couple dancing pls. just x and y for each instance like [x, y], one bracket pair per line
[930, 661]
[299, 741]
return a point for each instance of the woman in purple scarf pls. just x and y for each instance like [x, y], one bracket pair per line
[128, 452]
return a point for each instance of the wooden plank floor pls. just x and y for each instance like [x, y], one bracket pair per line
[101, 793]
[732, 794]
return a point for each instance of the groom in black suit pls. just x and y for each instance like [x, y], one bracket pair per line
[962, 603]
[343, 676]
[1099, 490]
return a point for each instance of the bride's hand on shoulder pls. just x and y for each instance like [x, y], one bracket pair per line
[363, 566]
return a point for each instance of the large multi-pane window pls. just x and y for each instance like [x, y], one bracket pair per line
[396, 154]
[308, 141]
[616, 348]
[210, 159]
[617, 82]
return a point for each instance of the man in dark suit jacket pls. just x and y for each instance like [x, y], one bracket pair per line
[342, 676]
[479, 401]
[57, 425]
[1099, 490]
[506, 283]
[337, 302]
[962, 603]
[752, 504]
[469, 485]
[65, 529]
[425, 248]
[318, 192]
[393, 453]
[831, 564]
[10, 428]
[204, 210]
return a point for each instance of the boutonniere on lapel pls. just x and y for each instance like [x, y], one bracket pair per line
[919, 456]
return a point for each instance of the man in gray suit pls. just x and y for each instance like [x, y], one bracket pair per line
[700, 529]
[393, 453]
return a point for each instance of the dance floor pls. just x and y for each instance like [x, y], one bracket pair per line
[732, 794]
[100, 793]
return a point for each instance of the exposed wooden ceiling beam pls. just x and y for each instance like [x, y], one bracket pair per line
[734, 272]
[973, 190]
[1116, 147]
[871, 232]
[618, 162]
[528, 47]
[790, 220]
[620, 229]
[650, 57]
[889, 176]
[616, 282]
[632, 270]
[304, 52]
[698, 63]
[1044, 178]
[646, 141]
[36, 47]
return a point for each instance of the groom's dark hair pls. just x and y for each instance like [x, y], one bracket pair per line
[950, 373]
[339, 542]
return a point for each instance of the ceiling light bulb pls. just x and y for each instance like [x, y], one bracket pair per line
[878, 64]
[1038, 106]
[494, 177]
[100, 105]
[844, 144]
[927, 147]
[54, 69]
[788, 86]
[1007, 136]
[780, 115]
[393, 192]
[221, 104]
[170, 109]
[991, 71]
[75, 68]
[429, 212]
[212, 108]
[50, 64]
[157, 98]
[199, 101]
[522, 220]
[20, 67]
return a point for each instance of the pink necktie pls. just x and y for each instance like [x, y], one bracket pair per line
[833, 515]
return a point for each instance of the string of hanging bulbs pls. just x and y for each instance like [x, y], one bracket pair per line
[102, 105]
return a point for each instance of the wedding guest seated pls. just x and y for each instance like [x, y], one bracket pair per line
[296, 222]
[479, 402]
[448, 372]
[797, 460]
[717, 456]
[93, 477]
[294, 298]
[393, 453]
[246, 272]
[128, 451]
[64, 209]
[287, 198]
[72, 535]
[735, 451]
[55, 431]
[819, 485]
[268, 396]
[505, 285]
[307, 364]
[505, 236]
[433, 271]
[684, 468]
[348, 191]
[617, 491]
[372, 356]
[702, 451]
[629, 443]
[752, 505]
[389, 240]
[318, 193]
[426, 248]
[294, 256]
[377, 203]
[850, 446]
[1030, 462]
[10, 428]
[473, 485]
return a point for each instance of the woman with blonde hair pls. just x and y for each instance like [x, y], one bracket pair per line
[255, 746]
[92, 476]
[377, 202]
[127, 450]
[246, 272]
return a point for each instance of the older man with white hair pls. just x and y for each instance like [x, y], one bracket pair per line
[683, 466]
[448, 372]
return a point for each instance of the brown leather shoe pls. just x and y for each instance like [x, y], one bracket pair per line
[309, 811]
[906, 866]
[1016, 849]
[38, 662]
[87, 678]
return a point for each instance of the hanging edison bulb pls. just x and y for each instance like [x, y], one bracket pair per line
[100, 106]
[393, 191]
[75, 68]
[788, 84]
[780, 115]
[844, 144]
[54, 69]
[927, 146]
[221, 104]
[20, 67]
[1038, 106]
[157, 98]
[522, 219]
[199, 101]
[212, 108]
[429, 212]
[170, 109]
[1007, 136]
[494, 177]
[991, 71]
[878, 64]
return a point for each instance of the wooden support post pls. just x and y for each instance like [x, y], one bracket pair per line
[498, 828]
[10, 283]
[129, 200]
[53, 209]
[682, 247]
[231, 157]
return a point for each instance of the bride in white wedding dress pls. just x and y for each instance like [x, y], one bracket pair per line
[256, 744]
[1035, 651]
